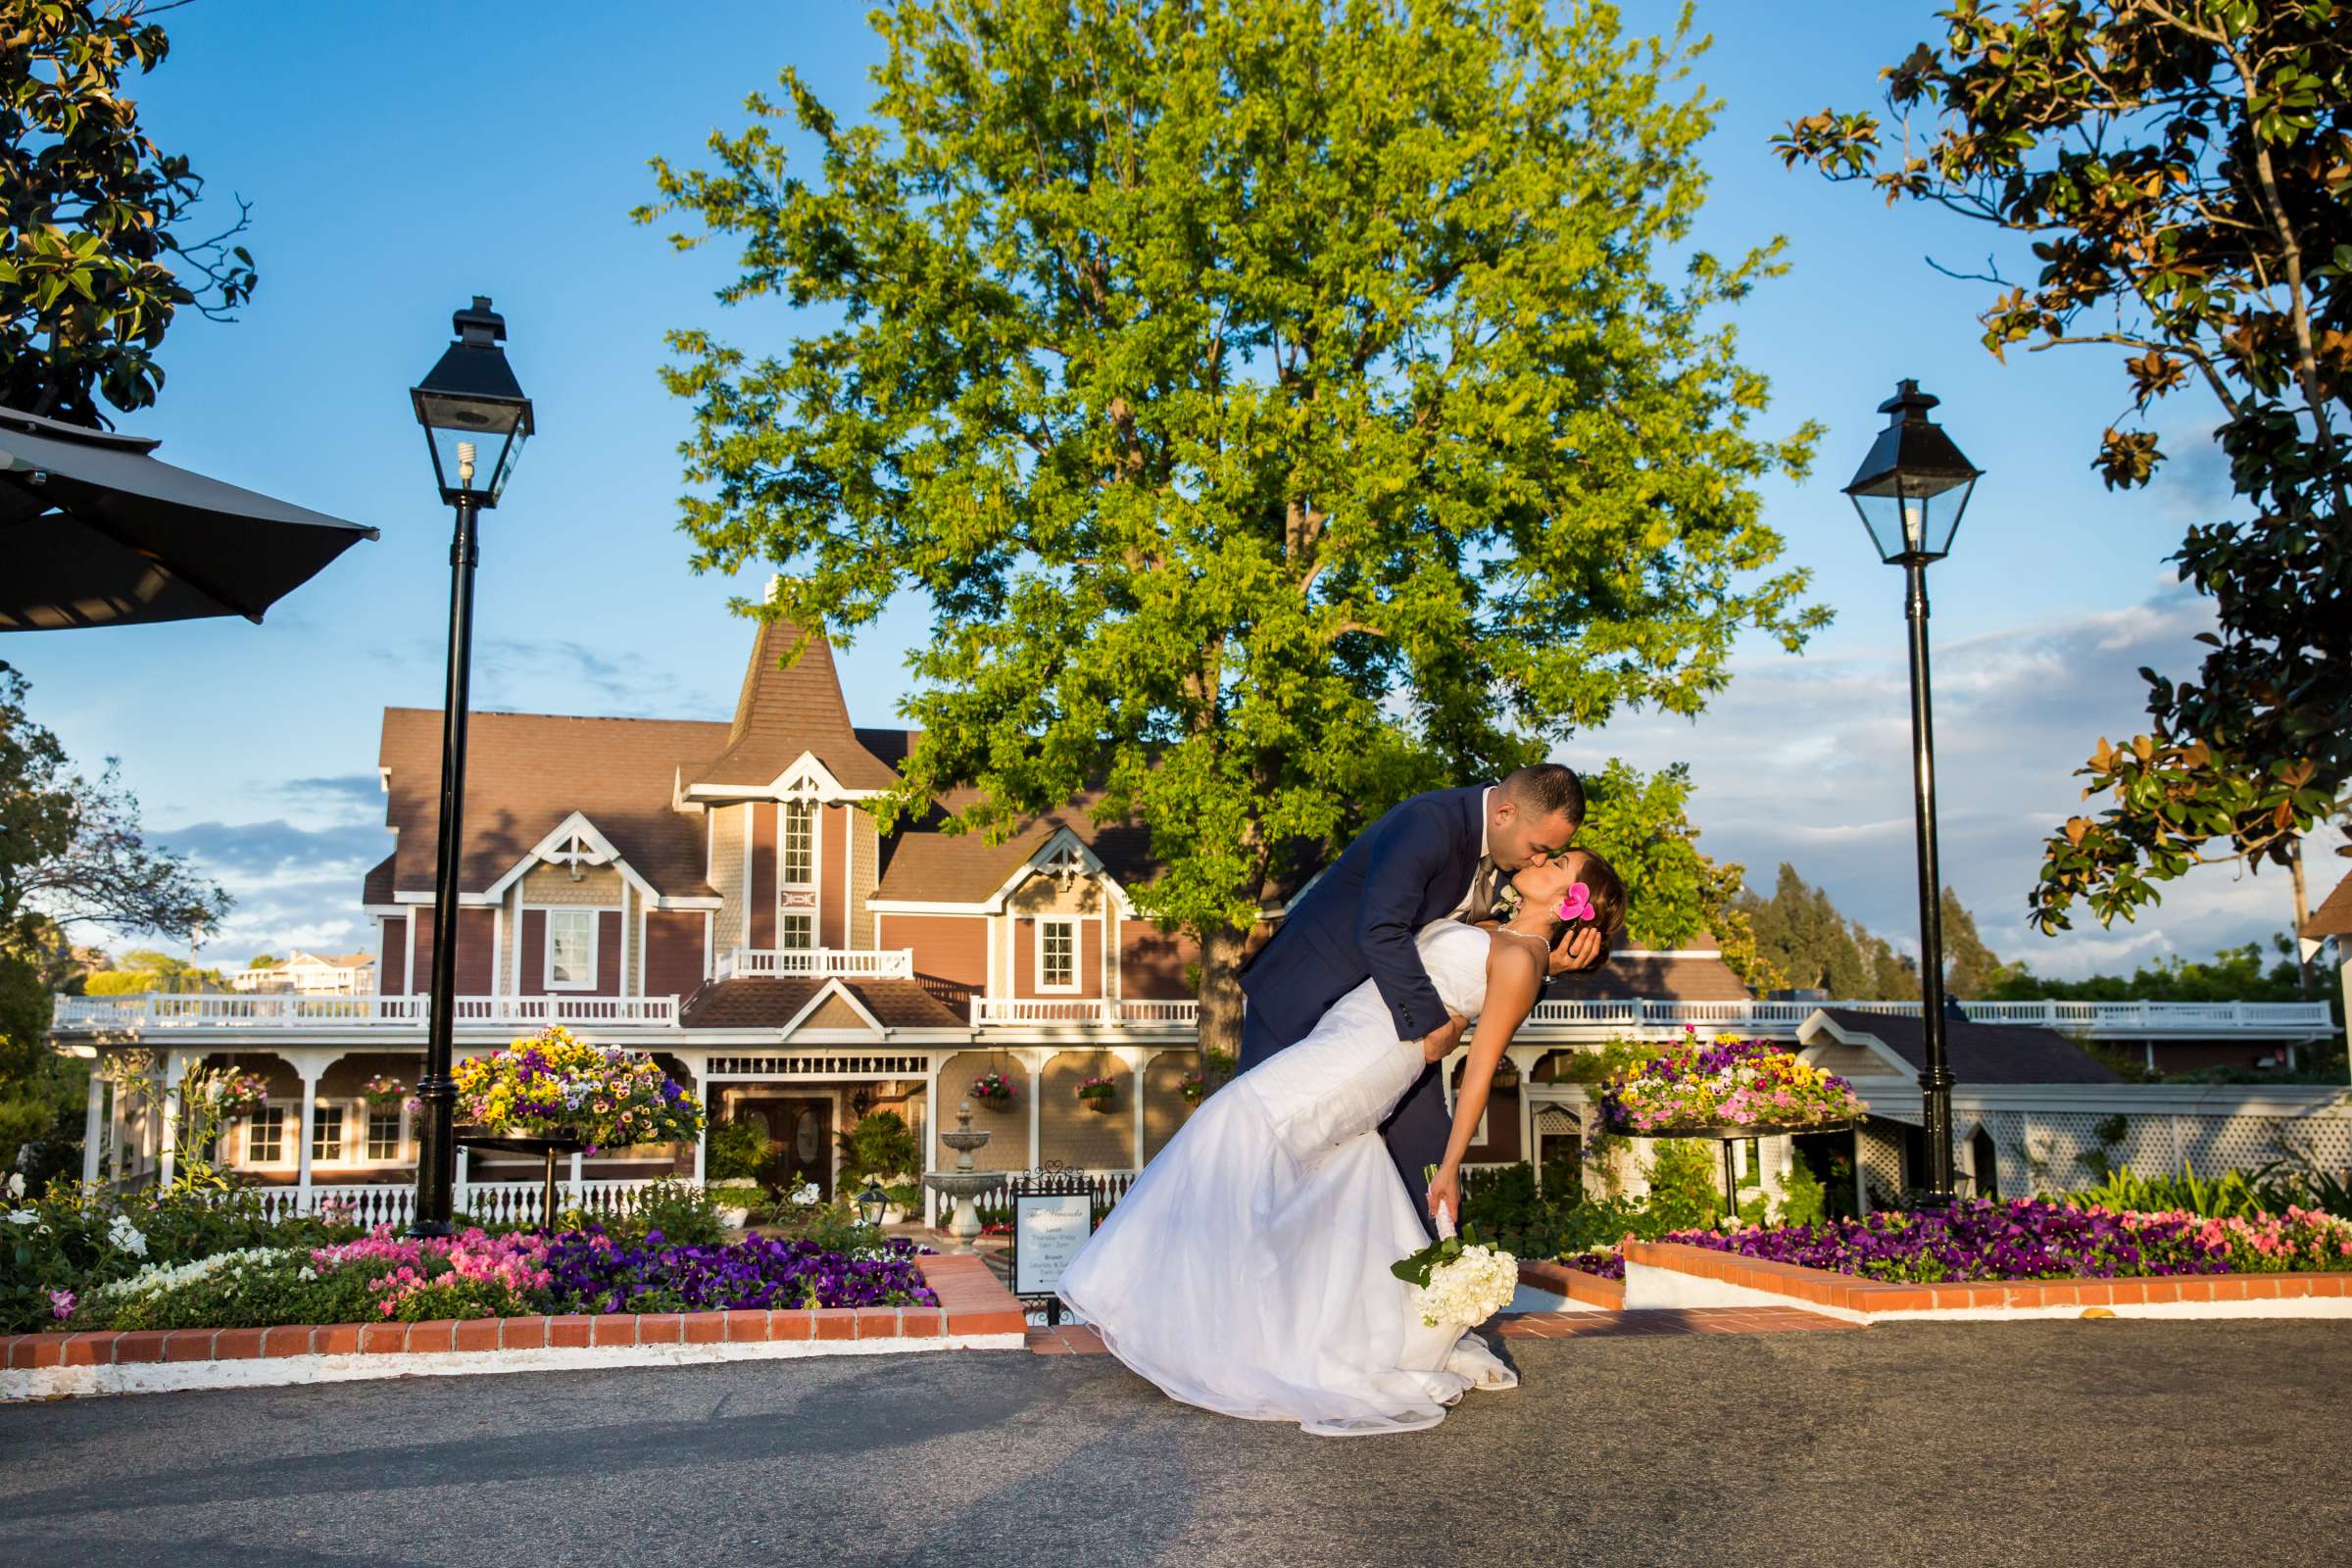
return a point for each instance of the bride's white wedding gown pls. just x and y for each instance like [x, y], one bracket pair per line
[1247, 1270]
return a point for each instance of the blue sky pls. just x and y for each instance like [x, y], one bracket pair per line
[401, 159]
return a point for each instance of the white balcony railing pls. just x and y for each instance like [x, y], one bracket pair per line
[2126, 1019]
[137, 1015]
[815, 963]
[1085, 1012]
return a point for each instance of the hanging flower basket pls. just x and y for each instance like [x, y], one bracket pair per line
[1193, 1086]
[1096, 1094]
[993, 1091]
[383, 1092]
[554, 1085]
[1507, 1075]
[237, 1092]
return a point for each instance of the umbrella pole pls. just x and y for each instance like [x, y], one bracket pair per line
[436, 1089]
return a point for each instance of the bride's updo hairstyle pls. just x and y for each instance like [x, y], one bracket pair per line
[1605, 892]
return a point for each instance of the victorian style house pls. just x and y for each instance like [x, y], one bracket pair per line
[717, 894]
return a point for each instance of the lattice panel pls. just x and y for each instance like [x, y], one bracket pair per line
[2063, 1152]
[1881, 1162]
[814, 1066]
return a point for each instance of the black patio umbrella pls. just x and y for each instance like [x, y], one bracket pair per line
[94, 531]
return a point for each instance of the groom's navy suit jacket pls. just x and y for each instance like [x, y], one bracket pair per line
[1357, 922]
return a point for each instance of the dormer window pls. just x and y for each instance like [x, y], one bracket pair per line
[571, 949]
[799, 845]
[1056, 954]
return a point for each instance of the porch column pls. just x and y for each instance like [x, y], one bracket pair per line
[167, 1151]
[1861, 1186]
[700, 1066]
[310, 1070]
[578, 1192]
[1525, 1058]
[461, 1186]
[1035, 1061]
[932, 1123]
[1138, 1057]
[92, 1110]
[118, 1126]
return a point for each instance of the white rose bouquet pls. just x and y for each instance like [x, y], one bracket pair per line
[1458, 1279]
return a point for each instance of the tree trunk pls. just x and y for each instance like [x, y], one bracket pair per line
[1221, 949]
[2302, 913]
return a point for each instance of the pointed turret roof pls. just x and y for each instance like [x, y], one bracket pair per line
[790, 705]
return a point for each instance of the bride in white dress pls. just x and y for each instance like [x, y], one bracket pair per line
[1247, 1270]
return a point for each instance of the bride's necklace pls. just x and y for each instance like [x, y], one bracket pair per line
[1530, 935]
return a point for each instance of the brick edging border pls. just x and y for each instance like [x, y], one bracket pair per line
[975, 1311]
[1591, 1290]
[1862, 1300]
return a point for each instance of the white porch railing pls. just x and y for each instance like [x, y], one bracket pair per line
[815, 963]
[292, 1012]
[487, 1203]
[1086, 1012]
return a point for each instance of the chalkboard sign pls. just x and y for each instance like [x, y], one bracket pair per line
[1049, 1228]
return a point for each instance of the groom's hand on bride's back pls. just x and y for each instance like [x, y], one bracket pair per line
[1439, 1043]
[1581, 948]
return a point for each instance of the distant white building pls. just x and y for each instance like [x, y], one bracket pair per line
[312, 974]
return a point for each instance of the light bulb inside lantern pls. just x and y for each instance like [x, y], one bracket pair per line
[466, 462]
[1915, 522]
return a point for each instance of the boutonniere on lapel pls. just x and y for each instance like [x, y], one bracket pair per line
[1506, 903]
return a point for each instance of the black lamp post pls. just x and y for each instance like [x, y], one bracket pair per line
[1910, 491]
[874, 1202]
[472, 410]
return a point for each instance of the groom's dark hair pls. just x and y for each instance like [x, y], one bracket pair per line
[1543, 788]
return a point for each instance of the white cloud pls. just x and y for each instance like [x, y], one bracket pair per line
[1809, 760]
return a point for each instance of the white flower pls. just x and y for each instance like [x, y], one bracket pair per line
[806, 1194]
[15, 1184]
[1470, 1289]
[22, 1216]
[169, 1276]
[125, 1237]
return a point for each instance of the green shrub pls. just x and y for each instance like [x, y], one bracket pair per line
[1681, 1184]
[736, 1151]
[881, 1145]
[1803, 1199]
[680, 1211]
[834, 1227]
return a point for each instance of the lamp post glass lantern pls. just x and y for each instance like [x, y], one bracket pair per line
[1910, 491]
[475, 420]
[874, 1202]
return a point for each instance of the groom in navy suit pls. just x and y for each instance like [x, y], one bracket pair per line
[1446, 852]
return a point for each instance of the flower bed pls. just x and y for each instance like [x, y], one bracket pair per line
[1731, 1083]
[385, 1276]
[2028, 1238]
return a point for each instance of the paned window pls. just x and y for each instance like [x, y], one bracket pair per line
[327, 1135]
[266, 1136]
[571, 949]
[1058, 956]
[383, 1134]
[799, 845]
[796, 931]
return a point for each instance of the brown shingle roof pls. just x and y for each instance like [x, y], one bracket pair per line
[379, 887]
[929, 867]
[527, 773]
[2334, 916]
[784, 711]
[1985, 1053]
[1661, 979]
[765, 1004]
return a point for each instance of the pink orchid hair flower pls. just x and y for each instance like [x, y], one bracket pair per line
[1578, 905]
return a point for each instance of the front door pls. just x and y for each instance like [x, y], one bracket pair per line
[801, 1130]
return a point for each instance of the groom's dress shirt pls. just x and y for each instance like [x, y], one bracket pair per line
[1480, 895]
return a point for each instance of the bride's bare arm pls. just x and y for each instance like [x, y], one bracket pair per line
[1515, 975]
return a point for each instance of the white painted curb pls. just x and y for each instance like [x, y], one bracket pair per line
[1649, 1286]
[260, 1372]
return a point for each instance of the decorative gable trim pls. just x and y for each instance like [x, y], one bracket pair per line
[807, 780]
[833, 989]
[1809, 1034]
[1065, 858]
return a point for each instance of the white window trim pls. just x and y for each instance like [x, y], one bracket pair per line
[547, 946]
[288, 1149]
[320, 1160]
[783, 915]
[811, 815]
[1077, 955]
[400, 1137]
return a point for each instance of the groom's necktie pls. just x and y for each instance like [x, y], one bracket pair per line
[1482, 892]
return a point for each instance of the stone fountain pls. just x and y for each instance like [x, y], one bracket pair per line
[963, 1183]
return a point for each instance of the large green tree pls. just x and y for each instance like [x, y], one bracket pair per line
[94, 261]
[1641, 824]
[73, 852]
[1283, 404]
[2182, 170]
